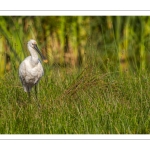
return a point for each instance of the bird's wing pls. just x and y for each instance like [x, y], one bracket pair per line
[22, 72]
[22, 76]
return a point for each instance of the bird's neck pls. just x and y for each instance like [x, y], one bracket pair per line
[34, 55]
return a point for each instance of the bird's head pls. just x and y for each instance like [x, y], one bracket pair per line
[33, 44]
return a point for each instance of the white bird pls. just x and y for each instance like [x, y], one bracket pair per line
[31, 70]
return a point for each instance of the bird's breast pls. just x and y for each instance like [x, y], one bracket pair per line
[33, 74]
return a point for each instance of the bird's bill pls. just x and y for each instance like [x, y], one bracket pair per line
[37, 49]
[45, 60]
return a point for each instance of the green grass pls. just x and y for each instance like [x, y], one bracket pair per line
[77, 101]
[93, 99]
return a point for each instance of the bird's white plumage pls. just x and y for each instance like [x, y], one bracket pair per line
[30, 70]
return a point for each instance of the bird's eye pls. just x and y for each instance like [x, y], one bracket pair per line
[33, 44]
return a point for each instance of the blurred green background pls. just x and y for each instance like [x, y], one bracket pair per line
[72, 40]
[96, 80]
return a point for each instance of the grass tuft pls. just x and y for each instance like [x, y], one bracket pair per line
[85, 101]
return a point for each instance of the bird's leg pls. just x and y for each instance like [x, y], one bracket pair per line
[36, 95]
[36, 91]
[29, 95]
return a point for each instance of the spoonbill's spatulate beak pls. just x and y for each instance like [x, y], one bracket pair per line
[43, 58]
